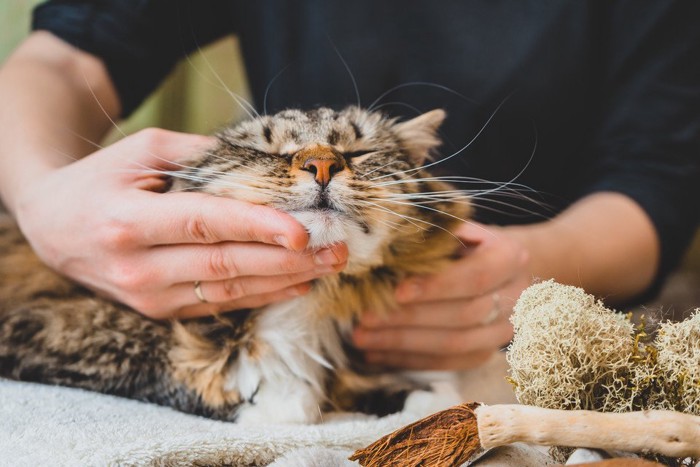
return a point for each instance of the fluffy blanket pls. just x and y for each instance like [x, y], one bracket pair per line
[45, 425]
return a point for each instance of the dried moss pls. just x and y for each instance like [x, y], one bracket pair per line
[678, 365]
[571, 352]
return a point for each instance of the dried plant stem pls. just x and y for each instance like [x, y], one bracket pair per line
[651, 431]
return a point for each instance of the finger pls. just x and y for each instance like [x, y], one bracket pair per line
[234, 260]
[443, 342]
[413, 361]
[443, 314]
[230, 290]
[256, 301]
[174, 218]
[486, 268]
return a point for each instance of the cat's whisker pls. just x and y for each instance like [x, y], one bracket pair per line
[402, 104]
[420, 83]
[269, 86]
[426, 208]
[81, 137]
[243, 103]
[391, 225]
[445, 178]
[347, 68]
[454, 154]
[62, 153]
[423, 221]
[408, 219]
[119, 129]
[201, 176]
[527, 164]
[502, 188]
[379, 168]
[513, 209]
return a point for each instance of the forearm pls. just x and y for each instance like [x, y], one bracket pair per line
[604, 243]
[55, 100]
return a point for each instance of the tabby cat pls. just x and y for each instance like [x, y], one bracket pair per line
[348, 176]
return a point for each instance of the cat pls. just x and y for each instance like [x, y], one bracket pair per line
[350, 176]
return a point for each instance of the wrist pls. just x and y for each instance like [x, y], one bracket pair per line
[543, 246]
[16, 191]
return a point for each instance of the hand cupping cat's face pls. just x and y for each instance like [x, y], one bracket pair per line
[346, 176]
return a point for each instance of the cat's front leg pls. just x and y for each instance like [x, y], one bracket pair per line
[281, 369]
[289, 403]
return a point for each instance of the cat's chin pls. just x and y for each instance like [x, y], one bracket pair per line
[325, 226]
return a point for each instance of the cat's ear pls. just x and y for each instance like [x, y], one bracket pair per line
[419, 135]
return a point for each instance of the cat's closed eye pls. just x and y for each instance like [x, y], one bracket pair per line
[356, 154]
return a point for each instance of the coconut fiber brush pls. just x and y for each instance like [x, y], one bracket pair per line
[462, 433]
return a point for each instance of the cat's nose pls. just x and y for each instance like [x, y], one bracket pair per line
[323, 169]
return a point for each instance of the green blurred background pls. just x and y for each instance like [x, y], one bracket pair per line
[192, 99]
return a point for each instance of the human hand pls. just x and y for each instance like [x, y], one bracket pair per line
[103, 222]
[455, 319]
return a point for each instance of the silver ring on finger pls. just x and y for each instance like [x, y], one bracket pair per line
[495, 309]
[198, 292]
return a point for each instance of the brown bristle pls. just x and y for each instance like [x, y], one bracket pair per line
[446, 438]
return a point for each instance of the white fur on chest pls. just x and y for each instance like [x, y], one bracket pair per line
[282, 376]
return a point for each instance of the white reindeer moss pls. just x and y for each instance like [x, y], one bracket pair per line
[678, 360]
[571, 352]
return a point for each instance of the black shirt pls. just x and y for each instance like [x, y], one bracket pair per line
[606, 93]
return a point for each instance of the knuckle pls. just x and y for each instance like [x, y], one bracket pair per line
[117, 235]
[219, 265]
[151, 138]
[234, 289]
[198, 230]
[127, 277]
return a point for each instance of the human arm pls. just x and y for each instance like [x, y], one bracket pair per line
[633, 207]
[101, 221]
[604, 243]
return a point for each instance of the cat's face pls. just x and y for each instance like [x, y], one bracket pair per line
[347, 176]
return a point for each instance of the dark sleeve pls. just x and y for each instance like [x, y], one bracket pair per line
[138, 40]
[648, 141]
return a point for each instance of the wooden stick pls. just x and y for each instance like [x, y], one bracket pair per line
[659, 431]
[456, 435]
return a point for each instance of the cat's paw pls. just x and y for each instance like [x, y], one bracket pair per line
[293, 404]
[442, 394]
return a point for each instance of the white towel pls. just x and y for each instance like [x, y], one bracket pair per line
[57, 426]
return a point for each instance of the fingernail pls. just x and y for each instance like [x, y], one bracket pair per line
[409, 290]
[300, 289]
[326, 257]
[281, 240]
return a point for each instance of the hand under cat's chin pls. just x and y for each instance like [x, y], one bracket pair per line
[325, 226]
